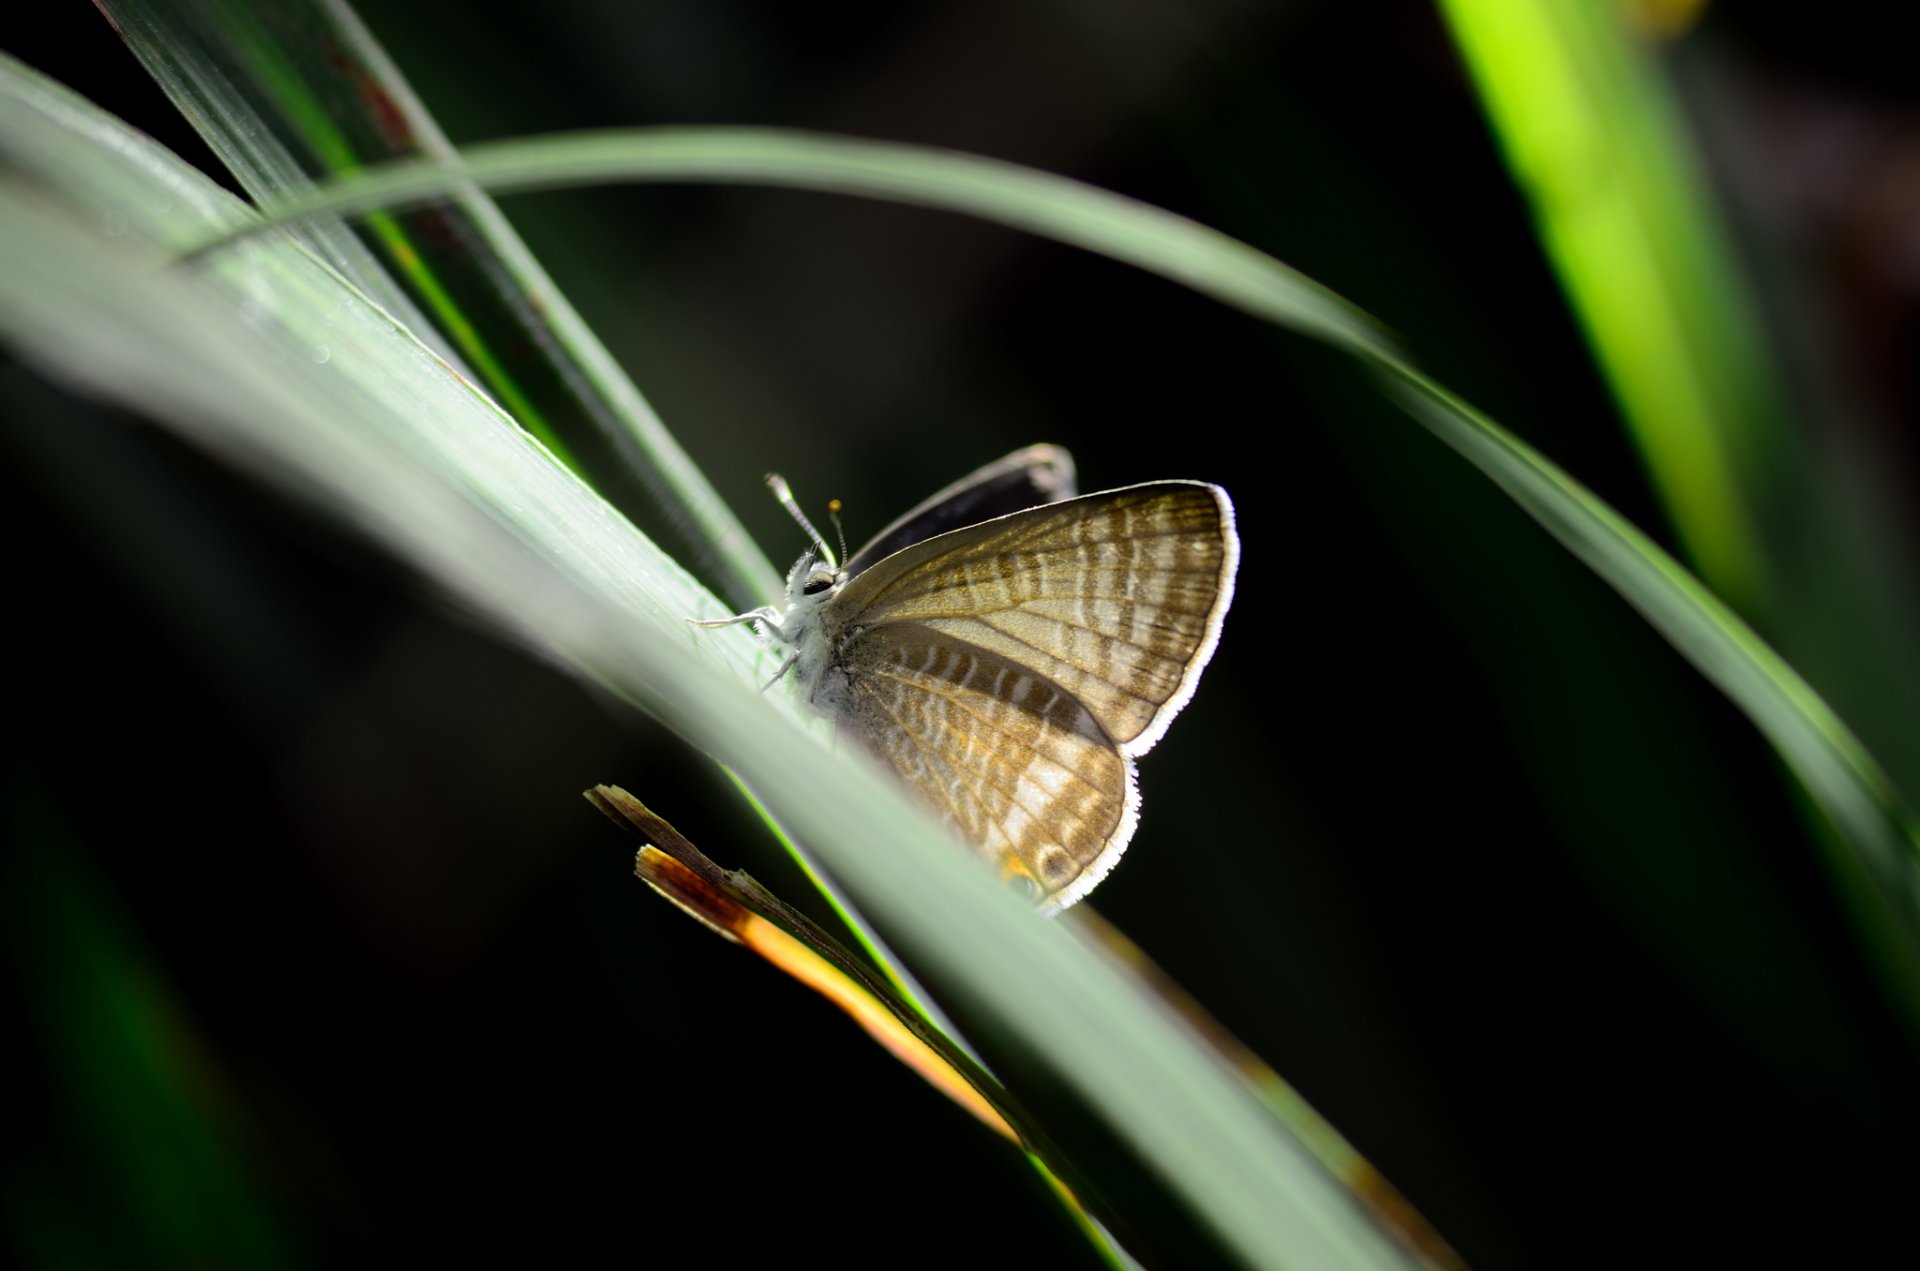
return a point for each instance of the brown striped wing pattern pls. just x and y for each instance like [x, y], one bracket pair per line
[1012, 670]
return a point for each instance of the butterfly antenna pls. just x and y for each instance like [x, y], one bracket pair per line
[839, 530]
[784, 493]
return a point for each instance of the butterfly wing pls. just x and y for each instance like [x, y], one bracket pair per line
[1018, 766]
[1116, 598]
[1026, 478]
[1013, 669]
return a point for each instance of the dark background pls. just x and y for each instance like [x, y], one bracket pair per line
[306, 915]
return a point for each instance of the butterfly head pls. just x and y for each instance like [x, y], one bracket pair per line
[818, 575]
[814, 580]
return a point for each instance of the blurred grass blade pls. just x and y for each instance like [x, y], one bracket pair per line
[1591, 129]
[1877, 856]
[142, 1107]
[1874, 854]
[298, 89]
[267, 358]
[1591, 136]
[227, 116]
[301, 88]
[1340, 1157]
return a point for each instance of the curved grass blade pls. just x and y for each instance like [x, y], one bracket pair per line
[382, 436]
[1876, 858]
[1339, 1156]
[1126, 230]
[288, 92]
[1873, 849]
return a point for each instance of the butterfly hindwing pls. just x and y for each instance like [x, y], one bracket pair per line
[1113, 598]
[1019, 766]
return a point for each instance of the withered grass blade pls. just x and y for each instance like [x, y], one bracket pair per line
[736, 907]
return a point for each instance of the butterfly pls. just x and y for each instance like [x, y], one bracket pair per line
[1009, 650]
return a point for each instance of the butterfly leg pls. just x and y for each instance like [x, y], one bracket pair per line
[764, 614]
[781, 674]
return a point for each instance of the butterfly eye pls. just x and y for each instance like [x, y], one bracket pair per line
[817, 584]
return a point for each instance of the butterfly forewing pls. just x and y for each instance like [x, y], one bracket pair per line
[1114, 599]
[1024, 479]
[1020, 767]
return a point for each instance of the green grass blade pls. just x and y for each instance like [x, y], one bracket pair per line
[1591, 130]
[151, 1127]
[229, 119]
[1591, 137]
[301, 89]
[1878, 864]
[1124, 229]
[861, 930]
[1874, 845]
[268, 359]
